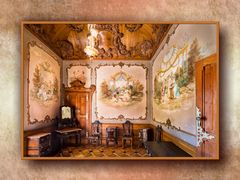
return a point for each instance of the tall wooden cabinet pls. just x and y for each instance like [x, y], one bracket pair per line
[81, 99]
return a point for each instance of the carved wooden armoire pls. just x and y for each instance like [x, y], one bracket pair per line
[81, 99]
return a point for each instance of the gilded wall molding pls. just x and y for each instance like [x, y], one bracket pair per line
[168, 124]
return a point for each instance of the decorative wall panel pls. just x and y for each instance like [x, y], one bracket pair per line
[43, 85]
[173, 75]
[81, 72]
[121, 91]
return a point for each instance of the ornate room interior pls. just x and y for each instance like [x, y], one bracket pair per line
[119, 90]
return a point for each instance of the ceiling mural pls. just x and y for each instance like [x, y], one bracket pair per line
[102, 41]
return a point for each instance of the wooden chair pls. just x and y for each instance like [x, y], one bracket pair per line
[68, 126]
[127, 133]
[158, 136]
[140, 138]
[144, 135]
[112, 135]
[96, 133]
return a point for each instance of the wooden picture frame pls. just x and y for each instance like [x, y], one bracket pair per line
[167, 124]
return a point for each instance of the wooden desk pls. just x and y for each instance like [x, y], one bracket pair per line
[164, 149]
[69, 132]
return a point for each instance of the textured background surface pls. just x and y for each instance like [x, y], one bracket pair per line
[13, 11]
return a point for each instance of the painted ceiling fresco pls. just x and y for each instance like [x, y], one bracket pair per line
[102, 41]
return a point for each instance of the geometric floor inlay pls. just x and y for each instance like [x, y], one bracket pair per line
[89, 151]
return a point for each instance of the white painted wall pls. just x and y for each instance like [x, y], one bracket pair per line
[184, 33]
[95, 63]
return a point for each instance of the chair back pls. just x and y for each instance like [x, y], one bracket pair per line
[66, 117]
[127, 129]
[96, 128]
[112, 132]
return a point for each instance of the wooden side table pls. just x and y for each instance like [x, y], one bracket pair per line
[69, 132]
[39, 144]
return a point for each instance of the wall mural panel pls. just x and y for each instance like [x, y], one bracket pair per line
[173, 75]
[79, 72]
[174, 82]
[43, 85]
[121, 92]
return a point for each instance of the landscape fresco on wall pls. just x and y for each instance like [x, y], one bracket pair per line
[121, 92]
[174, 82]
[174, 75]
[44, 86]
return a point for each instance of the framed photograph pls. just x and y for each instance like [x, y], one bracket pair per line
[135, 90]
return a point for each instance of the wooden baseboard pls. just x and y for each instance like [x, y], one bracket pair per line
[190, 149]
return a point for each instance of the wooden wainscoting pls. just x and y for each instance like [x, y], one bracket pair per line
[190, 149]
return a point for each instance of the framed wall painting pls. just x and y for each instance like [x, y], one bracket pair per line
[43, 85]
[121, 92]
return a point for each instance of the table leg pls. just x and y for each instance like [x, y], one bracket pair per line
[61, 141]
[76, 139]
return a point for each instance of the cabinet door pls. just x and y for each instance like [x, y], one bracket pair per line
[206, 93]
[82, 110]
[79, 101]
[71, 99]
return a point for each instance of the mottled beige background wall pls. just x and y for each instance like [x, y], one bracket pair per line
[11, 14]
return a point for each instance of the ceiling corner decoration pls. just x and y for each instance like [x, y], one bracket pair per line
[109, 41]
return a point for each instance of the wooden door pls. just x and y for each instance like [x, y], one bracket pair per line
[82, 110]
[206, 101]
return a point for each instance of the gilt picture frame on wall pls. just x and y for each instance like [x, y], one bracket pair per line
[137, 90]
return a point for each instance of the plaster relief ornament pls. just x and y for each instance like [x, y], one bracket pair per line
[201, 134]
